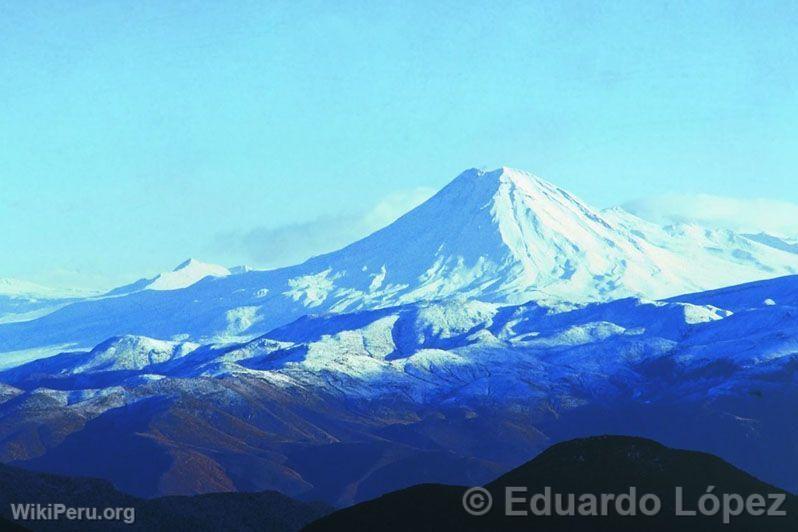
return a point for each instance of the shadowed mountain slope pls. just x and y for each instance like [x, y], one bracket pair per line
[598, 465]
[267, 511]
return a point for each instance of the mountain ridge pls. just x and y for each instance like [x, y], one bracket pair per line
[595, 466]
[237, 511]
[418, 392]
[501, 236]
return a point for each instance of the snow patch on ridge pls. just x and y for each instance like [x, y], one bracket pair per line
[132, 353]
[187, 274]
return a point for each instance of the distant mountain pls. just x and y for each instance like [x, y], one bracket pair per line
[184, 275]
[23, 300]
[267, 511]
[502, 237]
[599, 465]
[19, 288]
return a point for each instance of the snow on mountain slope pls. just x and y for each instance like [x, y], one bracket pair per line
[779, 242]
[23, 301]
[132, 353]
[457, 350]
[118, 354]
[186, 274]
[503, 236]
[509, 236]
[716, 257]
[624, 364]
[19, 288]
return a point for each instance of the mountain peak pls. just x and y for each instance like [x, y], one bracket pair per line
[502, 174]
[516, 174]
[188, 263]
[186, 274]
[485, 184]
[507, 235]
[502, 232]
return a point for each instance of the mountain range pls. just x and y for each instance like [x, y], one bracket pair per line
[597, 465]
[470, 387]
[501, 316]
[501, 237]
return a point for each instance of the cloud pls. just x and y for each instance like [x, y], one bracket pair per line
[745, 215]
[293, 243]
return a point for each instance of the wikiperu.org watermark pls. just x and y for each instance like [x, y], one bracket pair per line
[63, 512]
[519, 502]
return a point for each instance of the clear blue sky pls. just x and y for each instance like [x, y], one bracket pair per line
[135, 134]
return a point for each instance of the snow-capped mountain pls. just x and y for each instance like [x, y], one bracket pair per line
[499, 316]
[503, 236]
[185, 274]
[23, 300]
[509, 236]
[20, 288]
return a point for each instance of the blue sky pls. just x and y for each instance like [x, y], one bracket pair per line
[135, 134]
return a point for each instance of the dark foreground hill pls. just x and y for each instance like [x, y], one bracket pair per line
[263, 511]
[599, 465]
